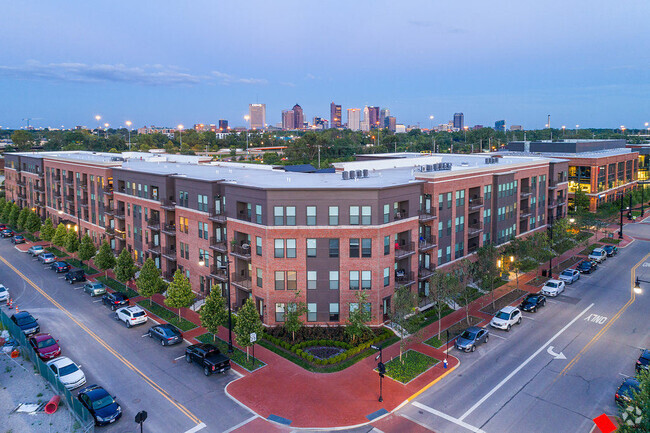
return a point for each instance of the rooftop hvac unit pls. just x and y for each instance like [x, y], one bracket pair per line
[365, 172]
[359, 174]
[346, 176]
[353, 174]
[429, 167]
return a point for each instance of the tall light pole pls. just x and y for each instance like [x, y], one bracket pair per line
[577, 127]
[128, 126]
[106, 125]
[563, 128]
[247, 118]
[431, 122]
[180, 133]
[99, 125]
[620, 230]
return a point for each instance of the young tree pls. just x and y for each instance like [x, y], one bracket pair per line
[22, 218]
[440, 286]
[71, 242]
[47, 231]
[213, 313]
[33, 222]
[357, 324]
[179, 292]
[248, 322]
[149, 282]
[105, 259]
[13, 215]
[3, 202]
[6, 212]
[60, 235]
[86, 249]
[125, 266]
[463, 273]
[635, 415]
[580, 201]
[485, 268]
[404, 307]
[293, 315]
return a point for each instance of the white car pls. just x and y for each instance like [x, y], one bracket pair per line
[570, 276]
[506, 317]
[35, 250]
[553, 288]
[68, 372]
[4, 293]
[598, 254]
[133, 315]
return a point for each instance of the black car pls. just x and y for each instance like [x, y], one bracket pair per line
[625, 392]
[18, 239]
[75, 275]
[611, 250]
[115, 300]
[6, 233]
[643, 363]
[208, 357]
[101, 405]
[167, 334]
[587, 266]
[60, 267]
[532, 302]
[26, 323]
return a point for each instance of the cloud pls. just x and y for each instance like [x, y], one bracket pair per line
[288, 84]
[231, 79]
[420, 23]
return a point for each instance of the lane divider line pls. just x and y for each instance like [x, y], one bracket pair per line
[442, 415]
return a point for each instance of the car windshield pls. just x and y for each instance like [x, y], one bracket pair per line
[502, 315]
[3, 289]
[531, 298]
[46, 343]
[25, 320]
[552, 284]
[102, 402]
[138, 314]
[629, 389]
[467, 335]
[68, 369]
[96, 285]
[567, 273]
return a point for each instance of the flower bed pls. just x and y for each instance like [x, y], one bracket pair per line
[311, 333]
[87, 269]
[117, 286]
[237, 356]
[412, 365]
[167, 315]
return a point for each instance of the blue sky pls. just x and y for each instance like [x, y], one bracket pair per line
[165, 63]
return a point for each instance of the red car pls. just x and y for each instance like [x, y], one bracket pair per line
[45, 346]
[2, 226]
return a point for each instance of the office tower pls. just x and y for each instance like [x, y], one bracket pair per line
[223, 125]
[288, 119]
[354, 119]
[459, 120]
[319, 123]
[257, 113]
[373, 117]
[500, 125]
[298, 117]
[383, 116]
[335, 115]
[391, 123]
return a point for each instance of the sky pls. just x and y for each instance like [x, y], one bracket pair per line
[166, 63]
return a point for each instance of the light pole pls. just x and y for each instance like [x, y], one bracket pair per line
[106, 125]
[180, 134]
[620, 230]
[99, 125]
[128, 126]
[577, 126]
[550, 237]
[247, 118]
[563, 128]
[431, 122]
[226, 266]
[382, 370]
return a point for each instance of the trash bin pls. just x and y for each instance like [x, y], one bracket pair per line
[543, 272]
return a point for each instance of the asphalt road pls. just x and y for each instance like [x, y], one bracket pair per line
[515, 383]
[138, 371]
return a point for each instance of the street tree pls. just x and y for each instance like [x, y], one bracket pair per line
[6, 212]
[248, 322]
[3, 203]
[440, 291]
[635, 415]
[214, 313]
[293, 316]
[47, 231]
[60, 236]
[125, 266]
[580, 201]
[179, 292]
[33, 223]
[149, 281]
[485, 268]
[463, 276]
[403, 316]
[13, 215]
[86, 248]
[105, 259]
[357, 324]
[22, 218]
[71, 242]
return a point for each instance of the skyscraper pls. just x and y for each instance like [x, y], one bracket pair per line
[223, 125]
[298, 117]
[391, 123]
[383, 116]
[373, 117]
[500, 125]
[257, 113]
[335, 115]
[288, 119]
[354, 119]
[459, 120]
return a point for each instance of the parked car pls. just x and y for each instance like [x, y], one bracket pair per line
[598, 255]
[115, 300]
[45, 346]
[94, 288]
[131, 316]
[75, 275]
[587, 266]
[59, 267]
[101, 405]
[18, 239]
[611, 250]
[506, 317]
[532, 302]
[570, 276]
[472, 337]
[167, 334]
[47, 258]
[35, 250]
[7, 233]
[643, 363]
[26, 322]
[4, 294]
[553, 287]
[625, 392]
[68, 372]
[2, 227]
[208, 357]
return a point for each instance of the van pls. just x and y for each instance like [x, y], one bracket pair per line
[75, 275]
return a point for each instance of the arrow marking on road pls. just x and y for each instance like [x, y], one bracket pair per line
[555, 355]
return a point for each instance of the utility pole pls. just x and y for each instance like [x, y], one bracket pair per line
[318, 156]
[620, 230]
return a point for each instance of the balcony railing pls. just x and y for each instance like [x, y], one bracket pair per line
[168, 204]
[426, 242]
[241, 251]
[107, 189]
[425, 272]
[404, 250]
[525, 191]
[218, 245]
[69, 198]
[169, 274]
[218, 217]
[474, 228]
[427, 215]
[524, 212]
[472, 248]
[552, 203]
[475, 202]
[168, 229]
[83, 202]
[119, 214]
[243, 216]
[39, 187]
[561, 200]
[218, 273]
[400, 215]
[20, 182]
[404, 278]
[110, 231]
[154, 249]
[243, 282]
[169, 254]
[153, 224]
[69, 181]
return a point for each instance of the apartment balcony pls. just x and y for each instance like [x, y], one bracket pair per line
[20, 182]
[120, 235]
[561, 201]
[153, 224]
[56, 193]
[83, 185]
[525, 191]
[110, 231]
[552, 203]
[241, 251]
[242, 282]
[474, 229]
[108, 189]
[475, 203]
[404, 278]
[69, 198]
[39, 187]
[218, 245]
[427, 215]
[425, 272]
[169, 254]
[168, 205]
[218, 273]
[169, 229]
[243, 216]
[524, 212]
[154, 249]
[404, 250]
[83, 202]
[168, 275]
[426, 243]
[219, 218]
[119, 214]
[400, 216]
[472, 248]
[69, 181]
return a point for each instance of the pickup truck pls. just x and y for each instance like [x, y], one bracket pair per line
[208, 357]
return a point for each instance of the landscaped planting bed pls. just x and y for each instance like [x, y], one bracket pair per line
[237, 356]
[413, 364]
[613, 241]
[57, 252]
[117, 286]
[165, 314]
[87, 269]
[475, 294]
[30, 237]
[454, 330]
[589, 249]
[566, 264]
[582, 236]
[537, 281]
[429, 316]
[503, 301]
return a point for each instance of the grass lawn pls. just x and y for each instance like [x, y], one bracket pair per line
[237, 356]
[614, 241]
[117, 286]
[30, 237]
[165, 314]
[589, 249]
[87, 269]
[435, 342]
[431, 315]
[57, 252]
[413, 364]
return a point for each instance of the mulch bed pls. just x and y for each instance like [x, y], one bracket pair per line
[537, 281]
[503, 301]
[457, 328]
[566, 264]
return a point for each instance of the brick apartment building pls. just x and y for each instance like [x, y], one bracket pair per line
[375, 224]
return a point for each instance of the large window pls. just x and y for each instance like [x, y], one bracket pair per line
[279, 280]
[386, 245]
[366, 247]
[311, 312]
[334, 311]
[311, 247]
[278, 215]
[292, 280]
[279, 248]
[258, 274]
[334, 280]
[354, 280]
[258, 245]
[354, 215]
[334, 248]
[258, 213]
[279, 312]
[386, 276]
[366, 215]
[203, 202]
[354, 247]
[311, 215]
[291, 215]
[386, 213]
[366, 280]
[333, 215]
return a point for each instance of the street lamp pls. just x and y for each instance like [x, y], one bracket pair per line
[620, 230]
[180, 133]
[99, 125]
[225, 265]
[563, 128]
[106, 125]
[550, 237]
[381, 368]
[247, 118]
[431, 122]
[637, 285]
[128, 126]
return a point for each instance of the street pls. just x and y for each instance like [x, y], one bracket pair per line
[137, 370]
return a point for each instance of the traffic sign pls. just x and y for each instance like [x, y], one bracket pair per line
[141, 416]
[253, 337]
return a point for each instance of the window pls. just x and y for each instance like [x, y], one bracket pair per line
[354, 215]
[386, 213]
[291, 215]
[334, 311]
[366, 247]
[311, 247]
[259, 277]
[334, 280]
[460, 198]
[441, 228]
[291, 248]
[441, 201]
[203, 202]
[460, 224]
[354, 247]
[311, 312]
[279, 249]
[354, 280]
[311, 279]
[449, 227]
[311, 216]
[292, 280]
[203, 230]
[487, 216]
[279, 312]
[334, 247]
[386, 276]
[487, 192]
[203, 255]
[183, 225]
[448, 200]
[333, 215]
[366, 280]
[366, 215]
[279, 280]
[278, 215]
[386, 245]
[183, 198]
[258, 245]
[258, 213]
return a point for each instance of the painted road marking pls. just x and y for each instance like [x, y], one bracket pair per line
[79, 288]
[498, 336]
[243, 423]
[555, 355]
[144, 335]
[199, 426]
[457, 421]
[595, 318]
[176, 359]
[646, 265]
[528, 317]
[124, 361]
[624, 375]
[98, 300]
[523, 364]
